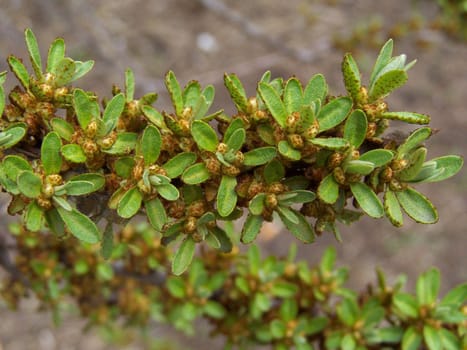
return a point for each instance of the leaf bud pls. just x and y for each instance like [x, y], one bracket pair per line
[44, 202]
[187, 113]
[48, 190]
[339, 175]
[311, 131]
[230, 170]
[292, 121]
[296, 141]
[196, 209]
[222, 148]
[276, 188]
[239, 158]
[399, 164]
[335, 160]
[371, 131]
[45, 110]
[386, 174]
[190, 224]
[54, 179]
[271, 200]
[90, 148]
[252, 105]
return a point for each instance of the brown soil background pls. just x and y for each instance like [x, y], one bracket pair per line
[153, 36]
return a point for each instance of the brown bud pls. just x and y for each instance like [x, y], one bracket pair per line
[213, 165]
[184, 126]
[239, 158]
[48, 190]
[371, 131]
[276, 188]
[271, 200]
[230, 170]
[386, 174]
[187, 113]
[252, 105]
[91, 129]
[311, 131]
[399, 164]
[222, 148]
[190, 224]
[54, 179]
[292, 121]
[176, 209]
[44, 203]
[339, 175]
[296, 141]
[90, 148]
[45, 110]
[132, 109]
[335, 160]
[196, 209]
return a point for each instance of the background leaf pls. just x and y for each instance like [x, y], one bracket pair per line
[183, 256]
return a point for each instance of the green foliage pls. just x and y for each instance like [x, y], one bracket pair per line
[292, 152]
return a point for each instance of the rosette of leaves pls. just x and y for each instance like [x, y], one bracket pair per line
[303, 114]
[425, 319]
[42, 195]
[60, 71]
[408, 167]
[264, 203]
[232, 160]
[388, 74]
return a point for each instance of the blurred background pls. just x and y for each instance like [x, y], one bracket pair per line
[202, 39]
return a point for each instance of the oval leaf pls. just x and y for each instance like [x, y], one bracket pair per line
[183, 256]
[367, 199]
[50, 153]
[73, 153]
[112, 112]
[392, 208]
[408, 117]
[273, 102]
[355, 128]
[293, 95]
[151, 142]
[328, 190]
[251, 228]
[156, 214]
[351, 74]
[226, 195]
[417, 206]
[204, 136]
[259, 156]
[378, 157]
[177, 165]
[386, 83]
[334, 113]
[316, 89]
[80, 225]
[195, 174]
[130, 203]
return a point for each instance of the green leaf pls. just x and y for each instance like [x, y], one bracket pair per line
[348, 311]
[378, 157]
[287, 213]
[151, 142]
[392, 208]
[416, 160]
[107, 244]
[259, 156]
[283, 289]
[288, 151]
[34, 217]
[296, 196]
[273, 102]
[80, 225]
[406, 304]
[455, 297]
[293, 95]
[355, 128]
[129, 85]
[61, 202]
[411, 339]
[439, 169]
[123, 166]
[195, 174]
[236, 140]
[183, 256]
[432, 337]
[19, 70]
[156, 214]
[63, 72]
[50, 153]
[124, 144]
[173, 87]
[191, 94]
[417, 206]
[301, 229]
[331, 143]
[352, 78]
[256, 205]
[278, 328]
[226, 195]
[12, 135]
[449, 340]
[64, 129]
[348, 342]
[413, 141]
[112, 112]
[357, 166]
[427, 287]
[85, 108]
[81, 69]
[130, 203]
[316, 89]
[408, 117]
[386, 83]
[73, 153]
[55, 222]
[168, 191]
[14, 165]
[234, 125]
[34, 53]
[328, 189]
[334, 113]
[177, 165]
[56, 54]
[383, 59]
[367, 199]
[204, 136]
[273, 171]
[154, 116]
[29, 184]
[266, 133]
[251, 228]
[96, 180]
[385, 335]
[223, 238]
[236, 91]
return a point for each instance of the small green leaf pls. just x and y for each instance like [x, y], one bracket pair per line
[273, 102]
[251, 228]
[204, 136]
[406, 304]
[439, 169]
[56, 54]
[256, 205]
[383, 59]
[331, 143]
[296, 196]
[50, 153]
[259, 156]
[316, 89]
[367, 199]
[130, 203]
[428, 287]
[34, 217]
[236, 91]
[357, 166]
[392, 208]
[348, 311]
[432, 337]
[173, 87]
[191, 94]
[156, 214]
[64, 129]
[273, 171]
[96, 180]
[177, 165]
[408, 117]
[78, 188]
[293, 95]
[288, 151]
[334, 113]
[411, 339]
[355, 128]
[154, 116]
[416, 160]
[129, 85]
[63, 72]
[124, 144]
[14, 165]
[287, 213]
[417, 206]
[226, 195]
[11, 136]
[55, 222]
[81, 69]
[455, 297]
[328, 189]
[195, 174]
[34, 53]
[222, 237]
[386, 83]
[183, 256]
[378, 157]
[302, 229]
[80, 225]
[73, 153]
[266, 133]
[236, 140]
[168, 191]
[123, 166]
[352, 78]
[85, 108]
[112, 112]
[449, 340]
[61, 202]
[19, 70]
[151, 142]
